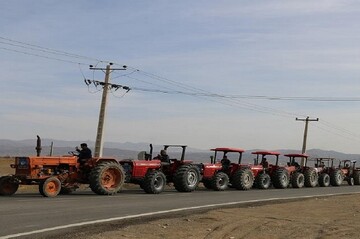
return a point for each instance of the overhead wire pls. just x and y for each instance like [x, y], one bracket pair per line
[42, 56]
[237, 102]
[230, 100]
[51, 50]
[209, 94]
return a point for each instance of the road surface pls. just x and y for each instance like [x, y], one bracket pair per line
[30, 214]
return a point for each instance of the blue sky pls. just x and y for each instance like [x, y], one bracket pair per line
[267, 48]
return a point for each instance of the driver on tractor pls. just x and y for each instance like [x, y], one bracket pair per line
[84, 153]
[163, 157]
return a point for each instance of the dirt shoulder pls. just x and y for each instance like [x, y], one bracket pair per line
[324, 217]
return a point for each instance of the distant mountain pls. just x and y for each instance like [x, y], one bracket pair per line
[130, 150]
[62, 147]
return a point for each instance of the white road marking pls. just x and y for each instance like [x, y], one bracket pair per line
[164, 212]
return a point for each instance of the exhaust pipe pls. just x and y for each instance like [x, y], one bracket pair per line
[38, 146]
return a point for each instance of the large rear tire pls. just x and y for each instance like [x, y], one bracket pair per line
[107, 178]
[243, 179]
[50, 187]
[263, 181]
[154, 182]
[311, 177]
[324, 180]
[186, 178]
[357, 177]
[220, 181]
[297, 180]
[336, 178]
[8, 186]
[281, 178]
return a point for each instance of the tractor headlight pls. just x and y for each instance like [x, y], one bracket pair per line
[23, 163]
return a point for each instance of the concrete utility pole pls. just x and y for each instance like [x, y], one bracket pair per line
[307, 119]
[99, 144]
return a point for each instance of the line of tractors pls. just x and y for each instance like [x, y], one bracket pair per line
[106, 176]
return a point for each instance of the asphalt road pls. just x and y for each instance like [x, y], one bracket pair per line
[26, 214]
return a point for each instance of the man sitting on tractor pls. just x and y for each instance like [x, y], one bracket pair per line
[225, 162]
[84, 153]
[264, 162]
[163, 157]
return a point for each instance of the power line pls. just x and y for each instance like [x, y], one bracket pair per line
[230, 100]
[47, 57]
[47, 49]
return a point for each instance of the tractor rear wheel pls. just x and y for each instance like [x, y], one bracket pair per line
[324, 180]
[297, 180]
[357, 177]
[107, 178]
[154, 182]
[243, 179]
[263, 181]
[220, 181]
[281, 178]
[336, 178]
[8, 186]
[186, 178]
[50, 187]
[311, 177]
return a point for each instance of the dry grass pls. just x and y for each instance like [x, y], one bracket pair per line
[5, 166]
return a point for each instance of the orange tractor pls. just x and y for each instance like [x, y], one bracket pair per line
[64, 174]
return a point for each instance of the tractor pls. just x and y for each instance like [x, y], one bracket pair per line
[63, 174]
[350, 172]
[153, 174]
[218, 173]
[323, 167]
[336, 175]
[278, 175]
[300, 173]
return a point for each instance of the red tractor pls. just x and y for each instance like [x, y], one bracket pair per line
[324, 167]
[300, 173]
[279, 175]
[64, 174]
[153, 174]
[350, 172]
[336, 175]
[219, 173]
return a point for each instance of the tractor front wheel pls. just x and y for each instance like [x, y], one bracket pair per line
[263, 181]
[50, 187]
[324, 180]
[186, 178]
[107, 178]
[8, 186]
[220, 181]
[154, 182]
